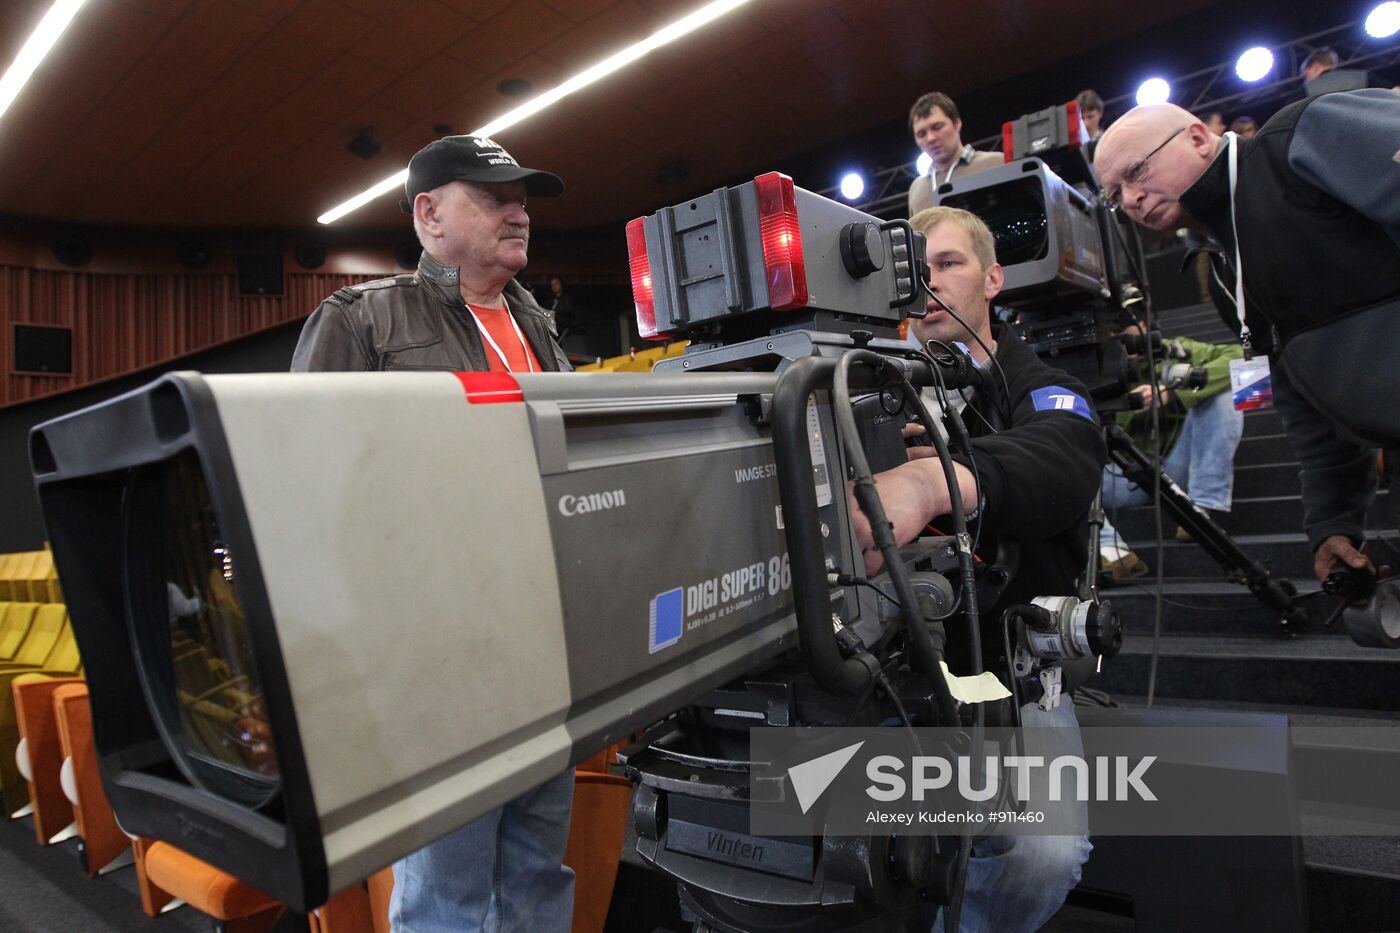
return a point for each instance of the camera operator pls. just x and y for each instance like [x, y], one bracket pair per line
[463, 311]
[1200, 430]
[1309, 214]
[1038, 471]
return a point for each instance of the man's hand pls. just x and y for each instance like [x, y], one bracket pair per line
[1335, 551]
[912, 494]
[918, 451]
[1144, 392]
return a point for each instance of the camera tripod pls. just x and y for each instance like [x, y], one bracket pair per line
[1278, 594]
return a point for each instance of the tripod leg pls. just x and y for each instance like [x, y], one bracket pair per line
[1276, 594]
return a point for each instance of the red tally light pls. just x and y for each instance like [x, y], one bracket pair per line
[640, 265]
[1008, 140]
[778, 229]
[1074, 124]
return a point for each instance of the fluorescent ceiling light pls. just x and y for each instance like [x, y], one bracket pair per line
[36, 48]
[687, 24]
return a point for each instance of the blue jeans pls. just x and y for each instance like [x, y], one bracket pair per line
[1202, 461]
[1017, 883]
[502, 873]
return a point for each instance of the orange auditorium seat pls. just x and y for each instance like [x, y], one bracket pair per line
[241, 907]
[103, 839]
[595, 844]
[40, 752]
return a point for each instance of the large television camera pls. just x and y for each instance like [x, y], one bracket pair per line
[328, 618]
[1065, 256]
[1074, 277]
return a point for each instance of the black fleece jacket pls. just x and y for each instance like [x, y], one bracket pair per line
[1038, 476]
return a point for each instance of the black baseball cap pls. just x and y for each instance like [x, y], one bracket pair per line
[472, 158]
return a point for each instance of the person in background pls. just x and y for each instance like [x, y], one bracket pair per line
[937, 127]
[1244, 126]
[464, 311]
[1200, 431]
[1308, 213]
[1091, 112]
[1318, 63]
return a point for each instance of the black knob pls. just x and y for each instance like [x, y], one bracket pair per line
[1104, 629]
[861, 249]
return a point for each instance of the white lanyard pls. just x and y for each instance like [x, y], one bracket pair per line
[949, 177]
[486, 335]
[1234, 160]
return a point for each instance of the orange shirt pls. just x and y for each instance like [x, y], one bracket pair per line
[519, 357]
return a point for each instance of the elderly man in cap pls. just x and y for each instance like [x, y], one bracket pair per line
[462, 310]
[1308, 215]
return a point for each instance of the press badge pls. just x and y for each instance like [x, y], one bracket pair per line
[1251, 384]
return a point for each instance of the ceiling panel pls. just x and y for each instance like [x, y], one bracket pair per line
[237, 112]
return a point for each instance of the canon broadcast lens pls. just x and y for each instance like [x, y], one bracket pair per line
[197, 672]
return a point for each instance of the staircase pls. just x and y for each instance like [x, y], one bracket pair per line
[1219, 650]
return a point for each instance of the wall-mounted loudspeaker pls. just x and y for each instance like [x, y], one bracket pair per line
[194, 254]
[41, 348]
[310, 254]
[72, 250]
[407, 254]
[260, 274]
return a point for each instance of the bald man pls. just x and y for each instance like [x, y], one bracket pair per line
[1314, 276]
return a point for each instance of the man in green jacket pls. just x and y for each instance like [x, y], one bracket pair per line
[1200, 430]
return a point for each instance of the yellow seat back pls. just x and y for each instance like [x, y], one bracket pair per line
[14, 627]
[6, 562]
[49, 623]
[63, 659]
[17, 576]
[40, 571]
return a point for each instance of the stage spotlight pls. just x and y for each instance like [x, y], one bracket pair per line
[923, 163]
[1254, 64]
[852, 186]
[1154, 91]
[1384, 21]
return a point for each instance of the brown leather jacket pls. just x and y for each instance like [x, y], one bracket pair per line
[415, 321]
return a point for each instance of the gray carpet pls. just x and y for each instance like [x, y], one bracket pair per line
[46, 890]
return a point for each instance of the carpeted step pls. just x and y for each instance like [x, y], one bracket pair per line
[1266, 421]
[1264, 448]
[1353, 881]
[1269, 479]
[1283, 554]
[1263, 515]
[1211, 606]
[1322, 672]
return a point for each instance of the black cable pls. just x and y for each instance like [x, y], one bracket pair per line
[881, 529]
[1172, 602]
[1006, 618]
[884, 683]
[1155, 414]
[869, 500]
[962, 438]
[954, 915]
[1006, 389]
[845, 579]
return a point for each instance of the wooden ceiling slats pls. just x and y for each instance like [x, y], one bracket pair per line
[237, 112]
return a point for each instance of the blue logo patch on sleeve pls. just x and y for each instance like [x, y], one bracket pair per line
[667, 619]
[1058, 398]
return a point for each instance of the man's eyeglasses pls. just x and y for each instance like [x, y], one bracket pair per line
[1137, 173]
